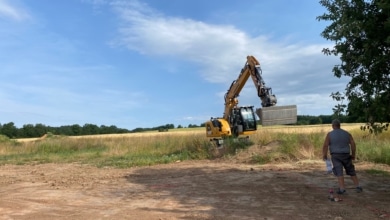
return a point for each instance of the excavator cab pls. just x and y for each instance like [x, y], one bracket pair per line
[242, 121]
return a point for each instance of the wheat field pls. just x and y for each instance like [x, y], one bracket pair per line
[323, 128]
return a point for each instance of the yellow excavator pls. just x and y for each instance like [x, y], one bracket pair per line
[240, 121]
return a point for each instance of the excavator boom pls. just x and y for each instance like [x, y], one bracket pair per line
[241, 120]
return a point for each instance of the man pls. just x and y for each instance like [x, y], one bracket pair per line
[342, 149]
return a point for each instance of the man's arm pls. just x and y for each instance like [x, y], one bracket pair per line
[353, 146]
[325, 148]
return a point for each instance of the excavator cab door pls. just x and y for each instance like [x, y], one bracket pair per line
[243, 121]
[248, 118]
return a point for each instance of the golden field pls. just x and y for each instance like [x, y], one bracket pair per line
[268, 144]
[197, 131]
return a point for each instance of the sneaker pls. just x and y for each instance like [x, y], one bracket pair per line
[359, 189]
[341, 192]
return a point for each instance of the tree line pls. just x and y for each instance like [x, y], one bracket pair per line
[38, 130]
[327, 119]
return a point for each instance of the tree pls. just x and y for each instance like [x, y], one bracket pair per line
[9, 130]
[192, 126]
[89, 129]
[361, 32]
[76, 129]
[28, 130]
[40, 129]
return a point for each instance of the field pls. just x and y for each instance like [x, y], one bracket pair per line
[196, 131]
[279, 176]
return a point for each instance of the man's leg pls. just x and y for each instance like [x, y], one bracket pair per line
[350, 170]
[337, 160]
[340, 179]
[355, 180]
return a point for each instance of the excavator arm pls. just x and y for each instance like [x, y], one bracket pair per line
[240, 120]
[252, 68]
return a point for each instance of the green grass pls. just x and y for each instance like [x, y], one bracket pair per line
[168, 147]
[118, 152]
[377, 172]
[374, 148]
[308, 145]
[290, 147]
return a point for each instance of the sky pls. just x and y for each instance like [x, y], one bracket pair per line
[142, 64]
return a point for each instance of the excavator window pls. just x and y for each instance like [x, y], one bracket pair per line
[216, 123]
[248, 118]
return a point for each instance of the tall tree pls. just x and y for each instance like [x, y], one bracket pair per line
[28, 130]
[361, 32]
[9, 130]
[76, 129]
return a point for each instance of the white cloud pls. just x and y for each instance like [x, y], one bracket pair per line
[297, 71]
[211, 46]
[220, 50]
[13, 11]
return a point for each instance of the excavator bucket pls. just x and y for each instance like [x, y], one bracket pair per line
[277, 115]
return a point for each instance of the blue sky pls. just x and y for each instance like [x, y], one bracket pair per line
[147, 63]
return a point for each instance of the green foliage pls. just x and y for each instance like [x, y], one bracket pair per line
[4, 139]
[162, 129]
[339, 109]
[197, 148]
[300, 146]
[56, 147]
[361, 32]
[327, 119]
[311, 120]
[377, 172]
[7, 141]
[262, 159]
[232, 145]
[192, 126]
[375, 128]
[38, 130]
[89, 129]
[374, 148]
[9, 130]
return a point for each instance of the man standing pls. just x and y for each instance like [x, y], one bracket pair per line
[342, 149]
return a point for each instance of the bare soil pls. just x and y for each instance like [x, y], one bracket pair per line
[219, 189]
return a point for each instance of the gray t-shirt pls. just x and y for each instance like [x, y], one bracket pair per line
[339, 141]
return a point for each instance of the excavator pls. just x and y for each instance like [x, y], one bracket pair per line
[240, 121]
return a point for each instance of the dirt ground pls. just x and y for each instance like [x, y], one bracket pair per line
[218, 189]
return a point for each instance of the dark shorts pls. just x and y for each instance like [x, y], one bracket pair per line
[341, 161]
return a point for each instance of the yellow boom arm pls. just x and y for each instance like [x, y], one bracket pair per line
[252, 68]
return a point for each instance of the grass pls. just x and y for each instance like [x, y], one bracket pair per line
[142, 149]
[377, 172]
[302, 144]
[290, 146]
[107, 151]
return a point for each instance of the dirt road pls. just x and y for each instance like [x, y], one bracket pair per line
[187, 190]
